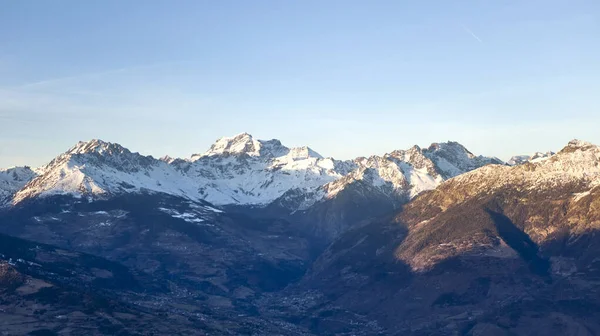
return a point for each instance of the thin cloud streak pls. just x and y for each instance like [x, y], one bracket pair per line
[471, 33]
[91, 75]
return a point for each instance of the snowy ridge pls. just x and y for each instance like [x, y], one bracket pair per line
[576, 165]
[409, 172]
[100, 169]
[235, 170]
[400, 175]
[241, 170]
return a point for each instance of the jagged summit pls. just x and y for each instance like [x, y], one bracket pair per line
[101, 153]
[453, 159]
[242, 143]
[449, 147]
[245, 145]
[575, 143]
[97, 146]
[97, 152]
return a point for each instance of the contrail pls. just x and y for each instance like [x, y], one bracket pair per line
[471, 33]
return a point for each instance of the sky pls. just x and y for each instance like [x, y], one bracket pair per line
[348, 78]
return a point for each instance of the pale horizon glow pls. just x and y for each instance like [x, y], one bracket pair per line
[346, 78]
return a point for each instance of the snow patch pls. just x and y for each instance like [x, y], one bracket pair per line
[186, 216]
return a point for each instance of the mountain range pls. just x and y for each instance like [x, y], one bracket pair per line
[237, 170]
[253, 237]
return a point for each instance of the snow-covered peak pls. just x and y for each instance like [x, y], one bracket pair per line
[100, 153]
[242, 143]
[415, 157]
[243, 170]
[12, 179]
[535, 157]
[97, 169]
[451, 149]
[452, 159]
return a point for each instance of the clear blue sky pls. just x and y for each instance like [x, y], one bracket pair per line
[347, 78]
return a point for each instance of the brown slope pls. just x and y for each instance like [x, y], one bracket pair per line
[499, 251]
